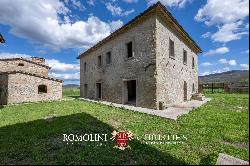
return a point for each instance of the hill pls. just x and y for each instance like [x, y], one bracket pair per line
[233, 76]
[71, 86]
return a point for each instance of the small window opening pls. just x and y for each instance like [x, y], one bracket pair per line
[99, 61]
[108, 60]
[184, 57]
[42, 89]
[171, 48]
[193, 63]
[129, 49]
[85, 67]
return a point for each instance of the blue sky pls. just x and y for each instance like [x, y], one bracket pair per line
[60, 30]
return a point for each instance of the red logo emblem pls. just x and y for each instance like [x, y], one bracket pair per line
[122, 138]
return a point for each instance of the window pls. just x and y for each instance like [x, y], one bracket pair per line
[193, 62]
[171, 48]
[20, 64]
[99, 61]
[184, 56]
[98, 90]
[108, 58]
[85, 67]
[129, 50]
[42, 89]
[85, 90]
[193, 89]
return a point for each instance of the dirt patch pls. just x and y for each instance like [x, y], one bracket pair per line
[237, 145]
[50, 118]
[114, 123]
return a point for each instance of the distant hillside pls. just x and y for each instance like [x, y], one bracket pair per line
[227, 77]
[71, 86]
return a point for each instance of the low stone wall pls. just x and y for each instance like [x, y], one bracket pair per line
[24, 88]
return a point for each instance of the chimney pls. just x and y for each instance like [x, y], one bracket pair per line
[38, 60]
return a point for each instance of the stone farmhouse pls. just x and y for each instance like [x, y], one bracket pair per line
[23, 80]
[150, 62]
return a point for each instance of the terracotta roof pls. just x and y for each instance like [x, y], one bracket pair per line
[30, 61]
[31, 74]
[1, 39]
[124, 27]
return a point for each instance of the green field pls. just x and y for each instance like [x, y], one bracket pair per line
[27, 137]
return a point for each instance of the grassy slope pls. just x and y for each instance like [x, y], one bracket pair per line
[25, 137]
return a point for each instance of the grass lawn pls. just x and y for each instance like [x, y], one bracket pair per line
[220, 126]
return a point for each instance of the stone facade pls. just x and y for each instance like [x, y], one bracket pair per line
[172, 72]
[114, 76]
[28, 82]
[159, 79]
[19, 64]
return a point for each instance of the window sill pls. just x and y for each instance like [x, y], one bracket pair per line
[130, 58]
[172, 57]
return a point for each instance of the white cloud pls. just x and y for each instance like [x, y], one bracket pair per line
[225, 69]
[206, 35]
[232, 62]
[91, 2]
[74, 76]
[4, 55]
[49, 23]
[244, 66]
[116, 25]
[221, 50]
[130, 1]
[247, 26]
[117, 10]
[78, 5]
[223, 61]
[246, 52]
[56, 65]
[128, 12]
[41, 51]
[228, 16]
[206, 64]
[228, 62]
[171, 3]
[205, 73]
[229, 32]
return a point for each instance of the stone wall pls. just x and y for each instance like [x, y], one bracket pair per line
[141, 67]
[171, 73]
[24, 88]
[12, 65]
[160, 79]
[3, 88]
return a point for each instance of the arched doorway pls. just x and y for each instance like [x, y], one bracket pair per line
[185, 90]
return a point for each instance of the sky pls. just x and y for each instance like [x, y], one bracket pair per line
[59, 30]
